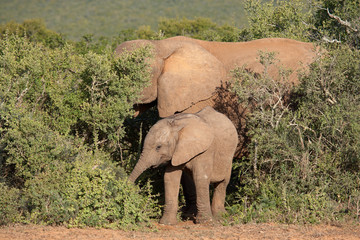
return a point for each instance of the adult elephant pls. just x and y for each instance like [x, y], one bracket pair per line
[186, 72]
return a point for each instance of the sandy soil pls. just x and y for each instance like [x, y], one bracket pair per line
[186, 230]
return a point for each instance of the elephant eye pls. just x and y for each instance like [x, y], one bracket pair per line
[158, 147]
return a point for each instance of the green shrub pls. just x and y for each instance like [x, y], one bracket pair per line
[200, 28]
[35, 30]
[9, 204]
[338, 21]
[303, 163]
[89, 191]
[62, 119]
[289, 19]
[329, 21]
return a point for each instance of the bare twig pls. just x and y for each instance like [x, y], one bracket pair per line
[121, 154]
[358, 209]
[326, 39]
[300, 125]
[256, 172]
[342, 22]
[19, 99]
[281, 115]
[330, 98]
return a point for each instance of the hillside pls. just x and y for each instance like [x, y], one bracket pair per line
[108, 17]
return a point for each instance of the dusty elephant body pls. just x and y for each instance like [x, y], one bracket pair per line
[201, 145]
[186, 72]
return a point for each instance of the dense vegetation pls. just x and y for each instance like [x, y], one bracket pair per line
[68, 138]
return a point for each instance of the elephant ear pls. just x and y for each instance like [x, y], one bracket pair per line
[195, 137]
[190, 74]
[149, 93]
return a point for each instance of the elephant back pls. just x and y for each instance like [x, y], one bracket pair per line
[224, 130]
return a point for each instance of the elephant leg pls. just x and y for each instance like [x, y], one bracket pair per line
[189, 210]
[218, 200]
[172, 184]
[202, 200]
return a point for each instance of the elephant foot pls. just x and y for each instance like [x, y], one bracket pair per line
[203, 219]
[165, 220]
[219, 213]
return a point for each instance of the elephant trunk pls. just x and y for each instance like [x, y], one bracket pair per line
[139, 168]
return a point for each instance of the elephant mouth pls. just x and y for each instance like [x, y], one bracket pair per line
[163, 164]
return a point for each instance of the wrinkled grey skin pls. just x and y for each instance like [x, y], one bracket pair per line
[201, 145]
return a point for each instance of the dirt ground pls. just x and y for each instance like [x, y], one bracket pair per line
[186, 230]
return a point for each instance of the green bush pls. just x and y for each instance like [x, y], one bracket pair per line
[62, 120]
[9, 204]
[89, 191]
[35, 30]
[338, 21]
[303, 163]
[303, 160]
[289, 19]
[329, 21]
[200, 28]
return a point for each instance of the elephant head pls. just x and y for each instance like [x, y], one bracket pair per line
[177, 139]
[183, 73]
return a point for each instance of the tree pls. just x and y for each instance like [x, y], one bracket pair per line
[35, 30]
[338, 21]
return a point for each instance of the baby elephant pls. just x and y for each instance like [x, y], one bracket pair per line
[201, 144]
